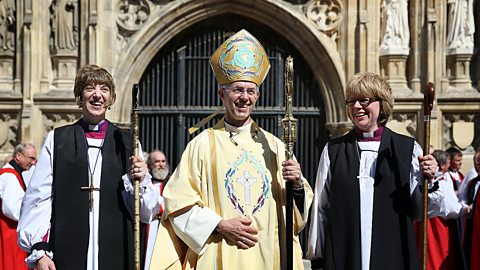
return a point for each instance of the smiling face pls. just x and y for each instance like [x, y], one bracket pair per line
[95, 102]
[94, 92]
[364, 113]
[239, 99]
[369, 101]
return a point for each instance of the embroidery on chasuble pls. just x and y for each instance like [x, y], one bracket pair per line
[247, 183]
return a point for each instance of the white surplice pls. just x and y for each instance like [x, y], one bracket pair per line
[11, 194]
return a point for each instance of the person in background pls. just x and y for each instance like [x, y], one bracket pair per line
[456, 157]
[160, 170]
[444, 249]
[76, 213]
[471, 174]
[12, 190]
[472, 229]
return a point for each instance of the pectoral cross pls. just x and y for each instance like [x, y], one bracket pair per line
[363, 177]
[247, 182]
[90, 189]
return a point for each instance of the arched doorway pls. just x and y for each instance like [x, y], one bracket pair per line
[178, 89]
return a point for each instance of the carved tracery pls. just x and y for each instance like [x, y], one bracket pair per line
[132, 15]
[325, 14]
[54, 120]
[8, 131]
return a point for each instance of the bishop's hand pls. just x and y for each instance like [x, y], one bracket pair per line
[138, 169]
[292, 171]
[238, 231]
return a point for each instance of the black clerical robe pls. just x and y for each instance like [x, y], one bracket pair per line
[69, 232]
[393, 239]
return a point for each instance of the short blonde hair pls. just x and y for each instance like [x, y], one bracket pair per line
[93, 75]
[368, 84]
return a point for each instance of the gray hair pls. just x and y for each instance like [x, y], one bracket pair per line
[441, 156]
[21, 147]
[149, 158]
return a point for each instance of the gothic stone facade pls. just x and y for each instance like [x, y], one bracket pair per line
[44, 42]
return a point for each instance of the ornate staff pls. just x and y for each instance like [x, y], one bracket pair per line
[136, 184]
[429, 96]
[289, 137]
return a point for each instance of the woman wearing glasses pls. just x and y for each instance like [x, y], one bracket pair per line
[367, 189]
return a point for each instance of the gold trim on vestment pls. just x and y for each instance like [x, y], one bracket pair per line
[280, 253]
[218, 210]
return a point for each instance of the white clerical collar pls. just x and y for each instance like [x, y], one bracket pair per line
[242, 129]
[368, 134]
[96, 127]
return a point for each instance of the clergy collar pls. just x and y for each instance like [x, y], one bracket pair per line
[16, 166]
[374, 136]
[94, 131]
[234, 129]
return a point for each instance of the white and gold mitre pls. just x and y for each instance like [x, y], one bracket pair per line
[240, 58]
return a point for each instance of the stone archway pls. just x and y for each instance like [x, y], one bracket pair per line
[317, 48]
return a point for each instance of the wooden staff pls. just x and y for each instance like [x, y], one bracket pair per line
[289, 137]
[136, 184]
[429, 96]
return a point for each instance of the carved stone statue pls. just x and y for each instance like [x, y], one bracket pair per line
[395, 30]
[7, 25]
[461, 24]
[64, 26]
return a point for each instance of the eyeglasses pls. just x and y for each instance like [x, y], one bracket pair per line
[32, 159]
[364, 102]
[251, 92]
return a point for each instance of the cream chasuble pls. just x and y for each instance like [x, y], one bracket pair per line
[227, 171]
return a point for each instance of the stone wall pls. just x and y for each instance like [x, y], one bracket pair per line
[44, 42]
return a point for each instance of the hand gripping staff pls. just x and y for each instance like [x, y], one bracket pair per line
[136, 184]
[289, 137]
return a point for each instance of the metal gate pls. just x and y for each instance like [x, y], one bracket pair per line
[178, 89]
